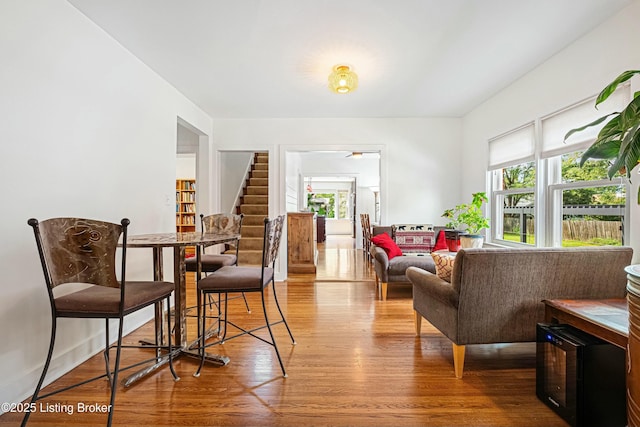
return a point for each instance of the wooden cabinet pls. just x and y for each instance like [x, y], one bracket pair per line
[321, 229]
[185, 205]
[301, 243]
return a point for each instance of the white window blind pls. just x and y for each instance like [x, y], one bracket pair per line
[556, 126]
[512, 148]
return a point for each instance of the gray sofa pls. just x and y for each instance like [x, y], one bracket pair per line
[393, 271]
[495, 294]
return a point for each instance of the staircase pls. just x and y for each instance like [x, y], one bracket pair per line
[254, 204]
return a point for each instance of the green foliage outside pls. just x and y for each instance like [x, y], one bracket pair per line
[322, 203]
[523, 176]
[590, 171]
[515, 237]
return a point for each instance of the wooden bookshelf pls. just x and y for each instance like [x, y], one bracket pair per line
[186, 205]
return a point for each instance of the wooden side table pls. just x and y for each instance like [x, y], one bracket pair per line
[607, 319]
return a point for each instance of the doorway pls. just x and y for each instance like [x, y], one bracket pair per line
[342, 178]
[193, 168]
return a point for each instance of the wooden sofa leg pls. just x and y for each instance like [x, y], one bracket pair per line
[458, 359]
[418, 321]
[384, 291]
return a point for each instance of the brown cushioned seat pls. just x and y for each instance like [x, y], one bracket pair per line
[211, 262]
[102, 301]
[236, 279]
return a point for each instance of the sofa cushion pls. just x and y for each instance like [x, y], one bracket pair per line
[441, 242]
[444, 264]
[387, 244]
[414, 238]
[399, 265]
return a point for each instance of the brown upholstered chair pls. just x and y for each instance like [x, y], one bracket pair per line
[231, 279]
[218, 223]
[366, 235]
[83, 251]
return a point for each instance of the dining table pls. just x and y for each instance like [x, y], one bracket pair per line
[179, 241]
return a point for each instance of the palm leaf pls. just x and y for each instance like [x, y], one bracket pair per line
[615, 167]
[629, 117]
[612, 128]
[628, 138]
[593, 123]
[632, 154]
[606, 150]
[614, 85]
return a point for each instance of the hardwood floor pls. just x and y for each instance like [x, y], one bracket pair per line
[357, 362]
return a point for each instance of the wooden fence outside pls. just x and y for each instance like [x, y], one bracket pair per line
[575, 230]
[588, 230]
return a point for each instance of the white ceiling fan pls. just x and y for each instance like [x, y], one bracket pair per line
[361, 154]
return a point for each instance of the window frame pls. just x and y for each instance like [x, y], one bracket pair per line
[548, 190]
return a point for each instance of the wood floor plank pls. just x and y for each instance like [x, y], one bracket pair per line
[357, 362]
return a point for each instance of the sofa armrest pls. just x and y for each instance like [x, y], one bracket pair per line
[380, 256]
[380, 262]
[429, 285]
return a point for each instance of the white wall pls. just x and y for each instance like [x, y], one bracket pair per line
[87, 130]
[293, 183]
[419, 157]
[233, 166]
[186, 166]
[579, 71]
[419, 166]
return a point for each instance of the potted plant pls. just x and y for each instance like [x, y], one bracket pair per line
[619, 140]
[470, 216]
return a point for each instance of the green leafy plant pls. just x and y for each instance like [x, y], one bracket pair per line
[468, 214]
[619, 140]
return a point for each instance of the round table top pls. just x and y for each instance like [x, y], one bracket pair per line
[179, 239]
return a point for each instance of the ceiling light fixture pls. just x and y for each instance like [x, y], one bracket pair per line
[342, 79]
[356, 155]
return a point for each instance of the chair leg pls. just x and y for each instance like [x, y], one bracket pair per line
[275, 297]
[246, 304]
[202, 316]
[384, 290]
[200, 310]
[34, 398]
[106, 352]
[169, 343]
[273, 339]
[418, 321]
[114, 384]
[226, 304]
[458, 359]
[202, 313]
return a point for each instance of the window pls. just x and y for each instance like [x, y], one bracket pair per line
[539, 193]
[514, 177]
[592, 206]
[343, 204]
[515, 202]
[333, 205]
[322, 203]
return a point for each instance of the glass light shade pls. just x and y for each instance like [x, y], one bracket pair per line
[342, 79]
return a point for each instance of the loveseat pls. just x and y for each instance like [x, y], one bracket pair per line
[415, 242]
[495, 295]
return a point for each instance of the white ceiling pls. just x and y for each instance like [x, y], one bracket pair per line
[415, 58]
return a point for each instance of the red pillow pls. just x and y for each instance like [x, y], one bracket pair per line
[385, 242]
[441, 242]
